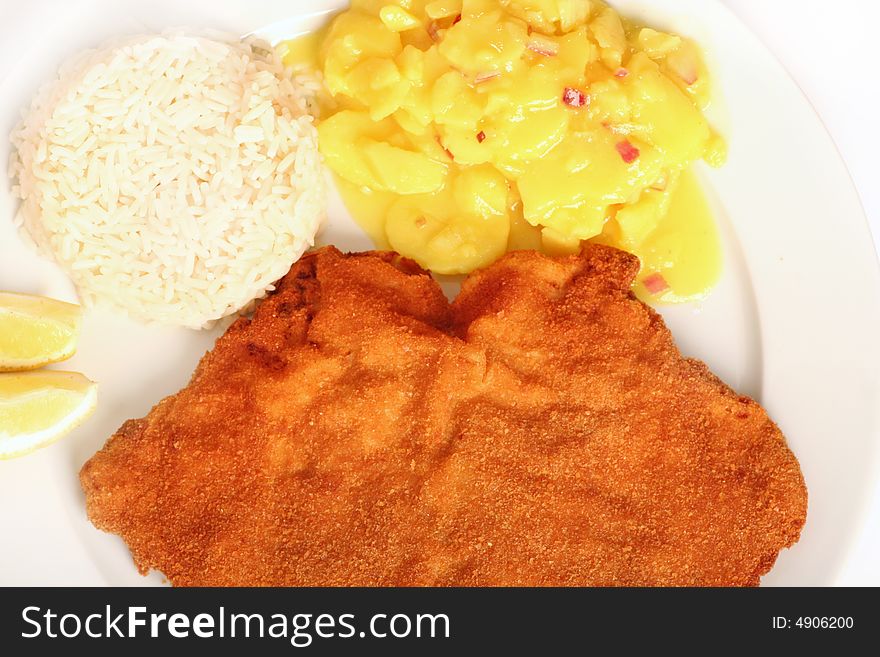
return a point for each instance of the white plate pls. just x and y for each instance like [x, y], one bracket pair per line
[794, 322]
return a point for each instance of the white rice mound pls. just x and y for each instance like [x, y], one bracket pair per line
[174, 177]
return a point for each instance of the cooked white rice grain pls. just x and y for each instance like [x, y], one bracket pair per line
[174, 177]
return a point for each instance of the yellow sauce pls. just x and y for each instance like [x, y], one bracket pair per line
[684, 248]
[368, 208]
[449, 167]
[303, 50]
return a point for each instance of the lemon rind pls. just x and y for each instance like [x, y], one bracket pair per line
[10, 366]
[19, 445]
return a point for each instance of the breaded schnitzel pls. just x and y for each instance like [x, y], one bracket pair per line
[541, 430]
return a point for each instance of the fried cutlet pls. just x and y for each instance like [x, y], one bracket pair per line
[542, 429]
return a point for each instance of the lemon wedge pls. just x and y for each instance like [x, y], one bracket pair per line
[38, 408]
[35, 331]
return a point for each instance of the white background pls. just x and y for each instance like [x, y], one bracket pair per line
[831, 50]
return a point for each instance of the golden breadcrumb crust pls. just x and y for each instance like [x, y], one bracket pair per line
[542, 429]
